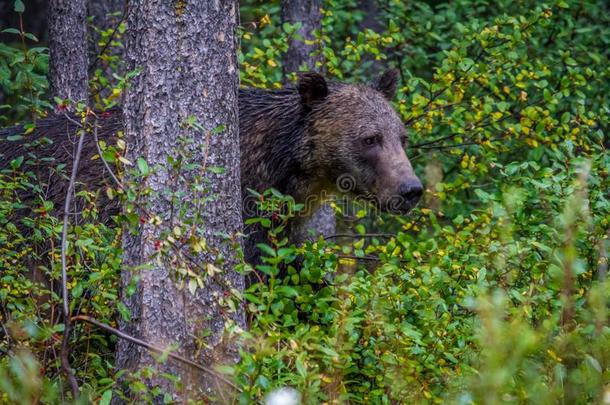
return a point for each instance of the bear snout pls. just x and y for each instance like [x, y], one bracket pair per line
[411, 191]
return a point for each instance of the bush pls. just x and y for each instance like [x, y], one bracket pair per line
[493, 291]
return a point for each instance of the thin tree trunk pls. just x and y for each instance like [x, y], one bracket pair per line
[371, 15]
[307, 56]
[103, 11]
[68, 61]
[186, 53]
[307, 12]
[106, 15]
[372, 21]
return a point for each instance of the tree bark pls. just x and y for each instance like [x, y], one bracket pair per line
[68, 62]
[307, 12]
[300, 54]
[186, 54]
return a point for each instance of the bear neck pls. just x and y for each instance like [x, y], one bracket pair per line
[277, 145]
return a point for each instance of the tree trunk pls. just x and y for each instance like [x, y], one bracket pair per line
[186, 54]
[300, 54]
[106, 14]
[68, 61]
[307, 12]
[371, 15]
[103, 12]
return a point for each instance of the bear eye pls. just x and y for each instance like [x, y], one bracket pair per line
[372, 140]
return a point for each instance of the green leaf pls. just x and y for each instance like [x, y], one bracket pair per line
[502, 106]
[77, 291]
[268, 250]
[451, 358]
[483, 196]
[300, 365]
[192, 286]
[466, 64]
[594, 363]
[216, 169]
[12, 31]
[143, 166]
[19, 6]
[106, 397]
[31, 37]
[220, 128]
[124, 311]
[288, 291]
[571, 62]
[16, 163]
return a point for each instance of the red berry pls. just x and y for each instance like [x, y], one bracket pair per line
[59, 108]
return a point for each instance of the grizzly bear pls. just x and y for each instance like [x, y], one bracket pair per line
[310, 141]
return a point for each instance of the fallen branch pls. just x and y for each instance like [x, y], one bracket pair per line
[65, 348]
[100, 153]
[356, 235]
[150, 347]
[367, 258]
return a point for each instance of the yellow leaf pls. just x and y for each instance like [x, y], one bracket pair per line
[125, 161]
[212, 269]
[523, 96]
[265, 20]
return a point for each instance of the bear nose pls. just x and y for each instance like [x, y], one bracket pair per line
[411, 190]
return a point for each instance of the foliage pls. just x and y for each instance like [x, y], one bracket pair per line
[493, 291]
[23, 71]
[30, 233]
[489, 294]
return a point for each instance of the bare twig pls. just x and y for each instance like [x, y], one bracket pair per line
[367, 258]
[72, 120]
[437, 140]
[65, 349]
[602, 269]
[150, 347]
[356, 236]
[99, 152]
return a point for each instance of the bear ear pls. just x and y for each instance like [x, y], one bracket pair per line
[387, 83]
[312, 88]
